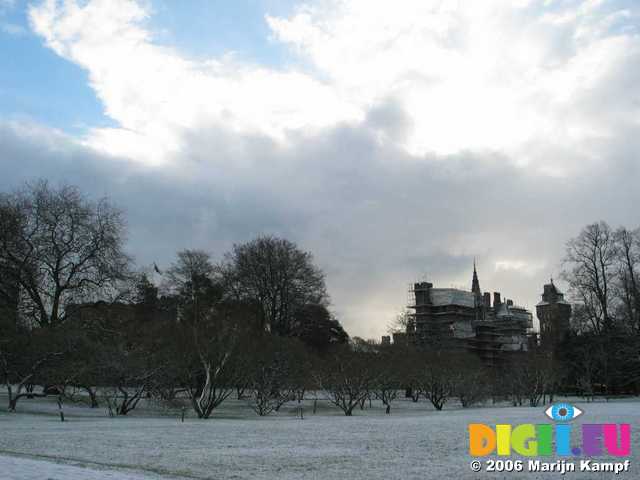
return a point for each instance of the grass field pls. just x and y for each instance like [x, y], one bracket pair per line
[413, 442]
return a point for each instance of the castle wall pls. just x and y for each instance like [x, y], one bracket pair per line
[454, 318]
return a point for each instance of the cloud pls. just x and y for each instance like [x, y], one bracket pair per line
[488, 75]
[495, 75]
[153, 92]
[400, 141]
[374, 223]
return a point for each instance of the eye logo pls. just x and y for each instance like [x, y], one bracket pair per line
[563, 412]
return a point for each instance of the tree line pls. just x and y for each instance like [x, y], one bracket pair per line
[76, 315]
[78, 319]
[601, 354]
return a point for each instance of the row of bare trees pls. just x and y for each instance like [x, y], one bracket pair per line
[76, 317]
[56, 248]
[351, 377]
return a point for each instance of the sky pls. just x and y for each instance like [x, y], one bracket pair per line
[396, 141]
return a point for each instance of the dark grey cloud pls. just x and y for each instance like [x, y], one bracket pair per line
[375, 217]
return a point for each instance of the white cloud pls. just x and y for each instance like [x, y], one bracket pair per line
[412, 136]
[487, 75]
[472, 75]
[154, 93]
[521, 266]
[491, 75]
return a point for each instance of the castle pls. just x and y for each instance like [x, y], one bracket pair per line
[494, 328]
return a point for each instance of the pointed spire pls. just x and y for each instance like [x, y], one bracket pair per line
[475, 283]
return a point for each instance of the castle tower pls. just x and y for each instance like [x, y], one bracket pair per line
[553, 312]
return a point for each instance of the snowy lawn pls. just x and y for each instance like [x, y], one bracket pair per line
[414, 442]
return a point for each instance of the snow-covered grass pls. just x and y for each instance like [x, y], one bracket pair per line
[414, 442]
[20, 468]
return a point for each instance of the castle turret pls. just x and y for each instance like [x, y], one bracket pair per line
[496, 300]
[553, 312]
[486, 299]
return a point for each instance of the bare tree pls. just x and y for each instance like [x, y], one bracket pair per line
[539, 376]
[590, 264]
[277, 373]
[20, 379]
[192, 271]
[628, 256]
[389, 378]
[529, 377]
[585, 356]
[26, 357]
[471, 382]
[436, 378]
[212, 377]
[347, 378]
[602, 272]
[207, 335]
[117, 353]
[128, 376]
[400, 323]
[64, 249]
[277, 277]
[57, 248]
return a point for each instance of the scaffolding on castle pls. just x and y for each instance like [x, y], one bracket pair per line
[455, 317]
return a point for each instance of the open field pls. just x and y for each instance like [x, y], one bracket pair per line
[414, 442]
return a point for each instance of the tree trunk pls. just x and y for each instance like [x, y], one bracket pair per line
[60, 409]
[93, 397]
[14, 401]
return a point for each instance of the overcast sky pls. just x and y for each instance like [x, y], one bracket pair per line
[396, 141]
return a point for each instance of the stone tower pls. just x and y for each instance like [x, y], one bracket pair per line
[553, 312]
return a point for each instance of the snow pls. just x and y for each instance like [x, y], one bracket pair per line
[414, 442]
[27, 469]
